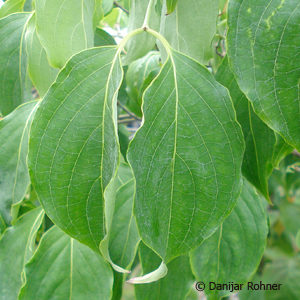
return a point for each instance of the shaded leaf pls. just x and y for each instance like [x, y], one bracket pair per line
[263, 49]
[67, 269]
[186, 158]
[17, 245]
[191, 27]
[171, 5]
[14, 176]
[264, 148]
[73, 137]
[234, 251]
[102, 38]
[12, 62]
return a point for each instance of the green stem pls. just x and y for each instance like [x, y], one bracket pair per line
[148, 13]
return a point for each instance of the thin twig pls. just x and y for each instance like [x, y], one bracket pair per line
[129, 112]
[121, 7]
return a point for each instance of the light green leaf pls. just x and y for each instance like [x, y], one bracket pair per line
[186, 158]
[177, 283]
[11, 6]
[14, 176]
[140, 45]
[65, 27]
[63, 268]
[264, 148]
[191, 27]
[73, 143]
[298, 239]
[171, 5]
[17, 245]
[107, 6]
[138, 77]
[234, 251]
[12, 61]
[263, 49]
[41, 73]
[102, 38]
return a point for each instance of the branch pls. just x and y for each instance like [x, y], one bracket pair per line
[129, 112]
[116, 4]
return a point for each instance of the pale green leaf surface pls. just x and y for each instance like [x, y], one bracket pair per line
[186, 158]
[73, 147]
[41, 73]
[139, 75]
[12, 60]
[191, 27]
[234, 251]
[17, 245]
[141, 44]
[64, 28]
[263, 47]
[107, 6]
[14, 176]
[175, 285]
[62, 268]
[264, 148]
[11, 6]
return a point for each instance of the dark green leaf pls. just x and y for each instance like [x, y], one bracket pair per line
[102, 38]
[171, 5]
[263, 47]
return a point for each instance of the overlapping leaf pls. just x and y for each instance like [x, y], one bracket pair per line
[263, 47]
[12, 62]
[73, 146]
[234, 251]
[171, 5]
[14, 176]
[186, 158]
[11, 6]
[16, 247]
[264, 148]
[63, 268]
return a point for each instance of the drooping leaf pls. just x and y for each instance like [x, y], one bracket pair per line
[17, 245]
[65, 27]
[191, 27]
[67, 269]
[234, 251]
[11, 6]
[177, 283]
[102, 38]
[141, 44]
[171, 5]
[73, 143]
[264, 148]
[139, 75]
[41, 73]
[263, 49]
[14, 176]
[12, 62]
[186, 158]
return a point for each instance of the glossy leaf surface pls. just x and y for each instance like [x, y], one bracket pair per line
[186, 158]
[264, 148]
[234, 251]
[73, 146]
[67, 269]
[14, 176]
[19, 240]
[263, 47]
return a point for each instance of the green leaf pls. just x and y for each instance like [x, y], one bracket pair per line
[107, 6]
[263, 49]
[102, 38]
[298, 239]
[264, 148]
[11, 6]
[234, 251]
[41, 73]
[17, 245]
[171, 5]
[191, 27]
[141, 44]
[176, 284]
[186, 158]
[65, 28]
[14, 176]
[73, 143]
[138, 77]
[67, 270]
[12, 62]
